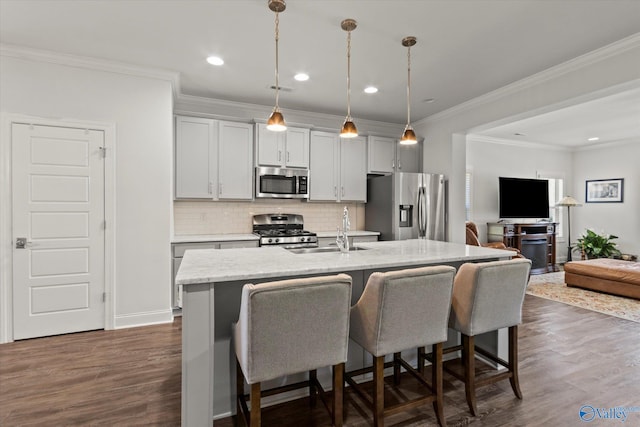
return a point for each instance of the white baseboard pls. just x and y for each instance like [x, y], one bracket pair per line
[143, 319]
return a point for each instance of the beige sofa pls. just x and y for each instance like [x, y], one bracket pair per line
[612, 276]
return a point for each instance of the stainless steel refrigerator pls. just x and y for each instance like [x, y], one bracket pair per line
[406, 206]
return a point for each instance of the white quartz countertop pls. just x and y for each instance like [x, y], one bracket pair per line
[201, 238]
[351, 233]
[210, 265]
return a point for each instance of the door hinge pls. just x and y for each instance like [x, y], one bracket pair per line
[103, 152]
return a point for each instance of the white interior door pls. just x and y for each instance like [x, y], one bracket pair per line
[58, 230]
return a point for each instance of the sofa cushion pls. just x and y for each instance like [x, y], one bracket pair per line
[606, 268]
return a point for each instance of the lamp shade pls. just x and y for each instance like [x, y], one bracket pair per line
[568, 201]
[348, 129]
[276, 122]
[408, 136]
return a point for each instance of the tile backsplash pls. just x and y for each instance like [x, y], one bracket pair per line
[205, 217]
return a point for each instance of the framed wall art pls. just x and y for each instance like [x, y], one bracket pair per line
[604, 191]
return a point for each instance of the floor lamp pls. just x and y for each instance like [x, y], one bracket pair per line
[569, 202]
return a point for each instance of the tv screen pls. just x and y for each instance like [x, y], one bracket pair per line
[523, 198]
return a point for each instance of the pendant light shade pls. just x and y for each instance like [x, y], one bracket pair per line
[276, 120]
[408, 136]
[349, 129]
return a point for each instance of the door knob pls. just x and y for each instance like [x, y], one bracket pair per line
[22, 242]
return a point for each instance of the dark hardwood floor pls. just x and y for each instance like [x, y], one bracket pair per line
[569, 357]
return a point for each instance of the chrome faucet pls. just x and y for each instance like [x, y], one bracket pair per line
[342, 240]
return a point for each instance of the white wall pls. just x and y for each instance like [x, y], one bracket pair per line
[490, 160]
[619, 219]
[140, 108]
[574, 82]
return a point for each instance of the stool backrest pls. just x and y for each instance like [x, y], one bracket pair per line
[488, 295]
[404, 309]
[293, 326]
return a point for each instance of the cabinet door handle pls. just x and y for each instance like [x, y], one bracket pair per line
[210, 187]
[220, 189]
[335, 190]
[279, 155]
[343, 191]
[288, 156]
[399, 165]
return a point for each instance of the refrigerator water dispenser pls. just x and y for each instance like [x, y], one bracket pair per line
[406, 216]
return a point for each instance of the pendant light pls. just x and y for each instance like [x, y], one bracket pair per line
[348, 127]
[276, 120]
[408, 136]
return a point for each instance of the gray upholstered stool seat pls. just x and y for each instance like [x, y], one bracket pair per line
[488, 296]
[397, 311]
[288, 327]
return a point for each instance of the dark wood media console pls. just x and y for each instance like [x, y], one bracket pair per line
[535, 241]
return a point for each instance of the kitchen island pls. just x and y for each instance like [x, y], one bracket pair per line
[211, 283]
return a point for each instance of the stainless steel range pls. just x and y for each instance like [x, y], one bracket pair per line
[286, 230]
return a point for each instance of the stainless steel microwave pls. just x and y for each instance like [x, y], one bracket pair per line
[281, 183]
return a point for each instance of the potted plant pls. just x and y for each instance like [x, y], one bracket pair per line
[594, 245]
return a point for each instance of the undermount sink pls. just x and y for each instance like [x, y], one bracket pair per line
[323, 249]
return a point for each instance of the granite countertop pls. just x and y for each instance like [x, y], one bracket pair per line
[210, 265]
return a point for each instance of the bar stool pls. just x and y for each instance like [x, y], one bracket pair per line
[488, 296]
[288, 327]
[401, 310]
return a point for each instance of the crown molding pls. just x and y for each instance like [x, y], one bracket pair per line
[598, 55]
[515, 143]
[197, 105]
[21, 52]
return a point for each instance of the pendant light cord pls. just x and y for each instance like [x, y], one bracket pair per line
[349, 75]
[409, 85]
[277, 74]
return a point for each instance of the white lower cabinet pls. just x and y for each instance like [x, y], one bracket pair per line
[338, 168]
[213, 159]
[177, 252]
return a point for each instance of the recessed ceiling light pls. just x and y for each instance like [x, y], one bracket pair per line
[595, 138]
[428, 100]
[370, 89]
[215, 60]
[301, 77]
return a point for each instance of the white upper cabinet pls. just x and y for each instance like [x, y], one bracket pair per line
[288, 149]
[235, 168]
[353, 169]
[387, 155]
[338, 169]
[381, 155]
[213, 159]
[409, 158]
[196, 157]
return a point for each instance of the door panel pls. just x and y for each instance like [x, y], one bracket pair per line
[58, 208]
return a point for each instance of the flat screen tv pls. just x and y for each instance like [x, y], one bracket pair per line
[523, 198]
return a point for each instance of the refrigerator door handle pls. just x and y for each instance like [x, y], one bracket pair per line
[421, 212]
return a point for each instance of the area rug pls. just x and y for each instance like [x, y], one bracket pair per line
[551, 286]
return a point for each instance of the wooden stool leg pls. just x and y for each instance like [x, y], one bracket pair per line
[338, 388]
[255, 405]
[513, 361]
[313, 390]
[468, 355]
[436, 382]
[396, 368]
[239, 394]
[421, 358]
[378, 391]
